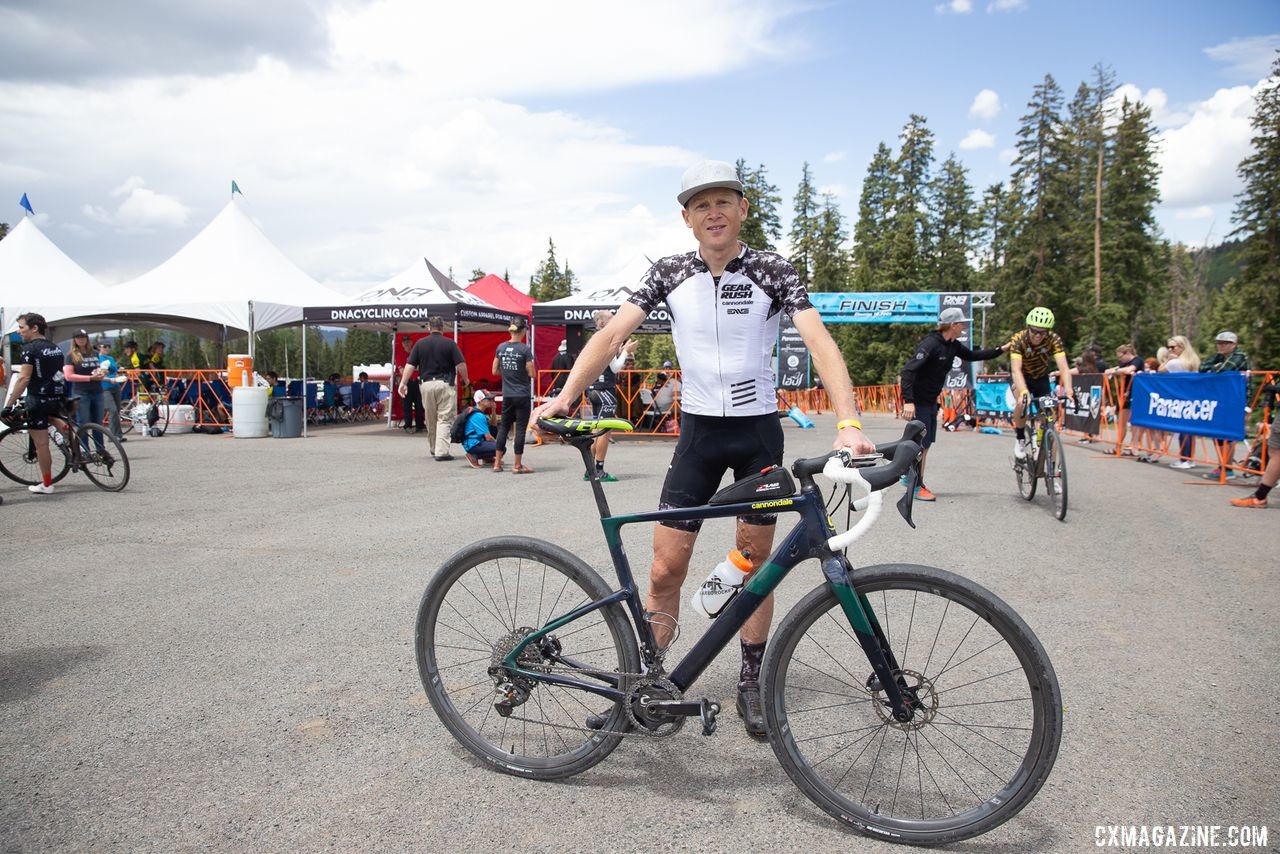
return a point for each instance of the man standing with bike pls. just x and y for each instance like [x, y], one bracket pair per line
[926, 372]
[1031, 352]
[40, 377]
[725, 300]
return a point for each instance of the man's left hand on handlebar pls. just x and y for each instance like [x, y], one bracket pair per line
[853, 438]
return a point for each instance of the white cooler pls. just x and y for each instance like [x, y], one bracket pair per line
[181, 418]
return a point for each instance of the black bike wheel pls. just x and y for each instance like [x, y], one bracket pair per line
[1055, 473]
[102, 458]
[18, 457]
[1024, 471]
[976, 752]
[482, 601]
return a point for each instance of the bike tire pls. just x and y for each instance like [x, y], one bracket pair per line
[18, 458]
[1025, 475]
[107, 468]
[476, 601]
[1055, 474]
[816, 669]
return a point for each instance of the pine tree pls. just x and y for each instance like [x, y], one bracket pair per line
[871, 234]
[548, 281]
[952, 227]
[1257, 213]
[476, 275]
[4, 229]
[804, 226]
[1036, 269]
[830, 258]
[1130, 246]
[908, 247]
[993, 227]
[762, 227]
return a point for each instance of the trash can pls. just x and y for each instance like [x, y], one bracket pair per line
[249, 412]
[285, 416]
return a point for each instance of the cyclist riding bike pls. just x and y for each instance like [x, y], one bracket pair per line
[726, 301]
[40, 377]
[1032, 353]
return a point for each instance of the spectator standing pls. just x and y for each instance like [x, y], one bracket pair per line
[603, 394]
[84, 374]
[110, 388]
[478, 441]
[514, 362]
[153, 380]
[1228, 358]
[439, 363]
[1127, 365]
[132, 359]
[667, 395]
[925, 373]
[560, 365]
[1182, 359]
[413, 418]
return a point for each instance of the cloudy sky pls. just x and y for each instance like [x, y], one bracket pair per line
[365, 135]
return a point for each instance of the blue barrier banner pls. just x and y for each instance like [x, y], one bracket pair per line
[877, 307]
[1193, 404]
[992, 397]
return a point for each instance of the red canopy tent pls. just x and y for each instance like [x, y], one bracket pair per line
[497, 292]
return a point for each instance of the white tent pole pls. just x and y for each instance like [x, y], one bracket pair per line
[391, 380]
[251, 331]
[304, 379]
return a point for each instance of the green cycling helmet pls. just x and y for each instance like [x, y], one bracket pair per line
[1040, 316]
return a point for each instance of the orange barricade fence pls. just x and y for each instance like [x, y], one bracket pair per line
[1127, 440]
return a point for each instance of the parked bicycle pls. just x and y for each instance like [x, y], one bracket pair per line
[907, 702]
[1045, 456]
[88, 448]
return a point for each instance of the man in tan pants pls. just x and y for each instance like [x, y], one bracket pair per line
[440, 364]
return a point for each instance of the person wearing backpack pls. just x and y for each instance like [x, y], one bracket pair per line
[477, 440]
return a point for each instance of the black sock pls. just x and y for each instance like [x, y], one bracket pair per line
[1020, 432]
[599, 466]
[1262, 492]
[752, 658]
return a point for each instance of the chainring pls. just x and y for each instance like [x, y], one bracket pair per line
[645, 690]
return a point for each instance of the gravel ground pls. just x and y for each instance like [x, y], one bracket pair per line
[221, 657]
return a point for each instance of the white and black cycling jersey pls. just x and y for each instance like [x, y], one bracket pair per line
[725, 330]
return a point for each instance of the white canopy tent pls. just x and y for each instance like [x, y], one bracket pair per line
[229, 279]
[35, 275]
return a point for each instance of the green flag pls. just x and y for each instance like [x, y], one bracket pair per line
[235, 188]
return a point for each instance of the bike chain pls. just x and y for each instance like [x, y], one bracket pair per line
[642, 680]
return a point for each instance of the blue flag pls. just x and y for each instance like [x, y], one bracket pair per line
[235, 188]
[26, 204]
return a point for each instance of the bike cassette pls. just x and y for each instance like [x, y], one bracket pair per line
[512, 689]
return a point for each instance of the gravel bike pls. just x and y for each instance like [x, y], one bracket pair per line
[907, 702]
[89, 448]
[1045, 456]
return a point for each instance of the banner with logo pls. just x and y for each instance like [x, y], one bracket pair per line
[793, 358]
[877, 307]
[1194, 404]
[960, 374]
[993, 397]
[1088, 415]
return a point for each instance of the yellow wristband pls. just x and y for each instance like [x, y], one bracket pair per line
[848, 422]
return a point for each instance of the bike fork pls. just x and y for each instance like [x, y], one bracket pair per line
[871, 637]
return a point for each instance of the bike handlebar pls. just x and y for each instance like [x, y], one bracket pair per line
[901, 453]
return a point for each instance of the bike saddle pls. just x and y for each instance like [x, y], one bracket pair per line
[571, 427]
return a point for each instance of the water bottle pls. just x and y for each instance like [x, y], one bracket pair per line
[722, 585]
[56, 435]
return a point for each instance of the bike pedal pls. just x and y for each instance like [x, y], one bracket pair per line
[708, 716]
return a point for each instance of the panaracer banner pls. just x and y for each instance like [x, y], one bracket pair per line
[1087, 417]
[1193, 404]
[877, 307]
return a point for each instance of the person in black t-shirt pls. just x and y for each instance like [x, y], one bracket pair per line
[439, 363]
[413, 416]
[40, 377]
[514, 361]
[561, 365]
